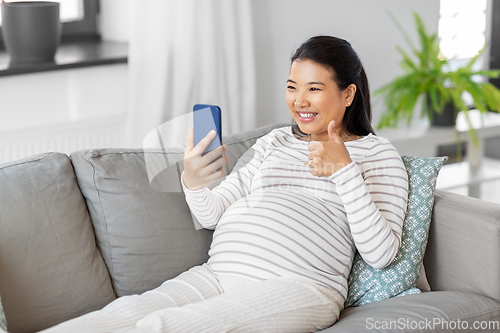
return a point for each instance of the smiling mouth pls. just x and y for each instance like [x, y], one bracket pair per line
[306, 116]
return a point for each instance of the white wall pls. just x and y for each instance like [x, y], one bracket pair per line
[64, 110]
[42, 99]
[282, 25]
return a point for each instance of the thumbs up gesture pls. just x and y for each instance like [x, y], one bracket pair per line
[328, 157]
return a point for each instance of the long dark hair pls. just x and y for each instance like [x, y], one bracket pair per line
[337, 55]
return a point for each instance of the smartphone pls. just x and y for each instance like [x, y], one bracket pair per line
[206, 118]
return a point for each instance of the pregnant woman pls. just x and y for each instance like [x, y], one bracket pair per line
[288, 230]
[289, 217]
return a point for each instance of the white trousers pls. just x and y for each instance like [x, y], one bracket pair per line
[200, 301]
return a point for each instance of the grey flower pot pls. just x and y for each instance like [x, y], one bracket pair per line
[31, 32]
[447, 118]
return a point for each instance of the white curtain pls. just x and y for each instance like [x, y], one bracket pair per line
[184, 52]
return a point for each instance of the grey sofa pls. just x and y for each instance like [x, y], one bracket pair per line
[76, 232]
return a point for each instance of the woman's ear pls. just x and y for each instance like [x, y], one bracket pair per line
[350, 93]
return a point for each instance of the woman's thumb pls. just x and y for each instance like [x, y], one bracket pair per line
[332, 132]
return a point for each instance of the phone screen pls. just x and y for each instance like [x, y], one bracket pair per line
[206, 118]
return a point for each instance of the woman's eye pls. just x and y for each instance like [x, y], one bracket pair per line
[290, 87]
[314, 89]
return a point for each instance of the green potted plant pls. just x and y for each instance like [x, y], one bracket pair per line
[428, 79]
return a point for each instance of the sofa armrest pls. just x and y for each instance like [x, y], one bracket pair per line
[463, 252]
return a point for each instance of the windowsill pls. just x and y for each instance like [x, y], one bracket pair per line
[73, 55]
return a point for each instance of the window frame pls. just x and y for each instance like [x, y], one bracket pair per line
[84, 29]
[494, 60]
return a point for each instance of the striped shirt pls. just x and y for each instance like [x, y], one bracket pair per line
[273, 218]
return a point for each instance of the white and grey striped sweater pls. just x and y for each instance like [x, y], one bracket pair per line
[273, 218]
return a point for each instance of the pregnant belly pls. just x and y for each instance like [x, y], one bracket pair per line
[281, 234]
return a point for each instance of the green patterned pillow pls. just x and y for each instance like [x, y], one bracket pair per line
[3, 322]
[368, 284]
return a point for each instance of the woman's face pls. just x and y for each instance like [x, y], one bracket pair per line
[314, 99]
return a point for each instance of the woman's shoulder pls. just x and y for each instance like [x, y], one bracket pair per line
[375, 145]
[283, 131]
[281, 134]
[276, 137]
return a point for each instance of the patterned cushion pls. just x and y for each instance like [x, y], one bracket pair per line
[3, 323]
[367, 284]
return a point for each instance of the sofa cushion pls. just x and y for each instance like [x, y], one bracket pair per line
[145, 229]
[50, 267]
[3, 322]
[436, 311]
[464, 245]
[367, 284]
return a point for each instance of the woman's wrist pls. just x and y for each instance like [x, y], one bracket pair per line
[187, 187]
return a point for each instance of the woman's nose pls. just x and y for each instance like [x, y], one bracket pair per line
[300, 101]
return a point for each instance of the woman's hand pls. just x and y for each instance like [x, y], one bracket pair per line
[328, 157]
[199, 171]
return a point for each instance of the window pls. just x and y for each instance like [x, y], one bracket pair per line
[78, 17]
[462, 26]
[71, 10]
[462, 34]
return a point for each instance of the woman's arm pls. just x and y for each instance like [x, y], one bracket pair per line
[209, 205]
[375, 196]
